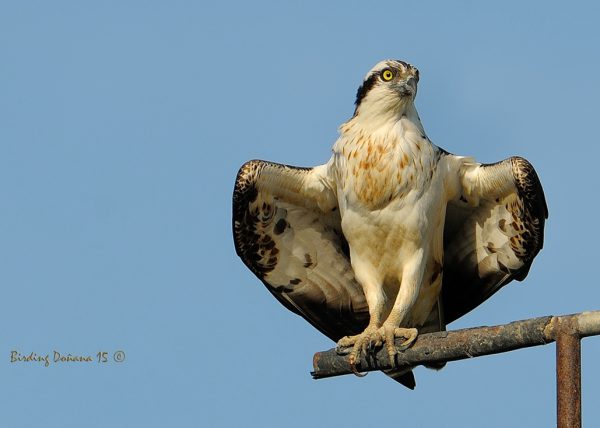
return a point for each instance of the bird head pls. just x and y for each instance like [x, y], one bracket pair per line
[387, 90]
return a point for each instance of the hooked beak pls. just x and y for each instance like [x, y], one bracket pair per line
[409, 87]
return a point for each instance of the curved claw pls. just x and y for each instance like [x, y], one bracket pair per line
[342, 350]
[390, 333]
[353, 368]
[359, 344]
[410, 334]
[356, 372]
[372, 338]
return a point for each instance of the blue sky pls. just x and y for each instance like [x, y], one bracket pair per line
[123, 126]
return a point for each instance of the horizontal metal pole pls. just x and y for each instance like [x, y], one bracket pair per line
[432, 348]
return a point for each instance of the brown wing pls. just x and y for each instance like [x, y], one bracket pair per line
[489, 245]
[295, 248]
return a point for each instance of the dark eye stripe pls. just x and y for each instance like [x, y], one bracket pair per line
[365, 88]
[368, 84]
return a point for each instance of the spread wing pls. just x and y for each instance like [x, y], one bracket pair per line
[492, 232]
[287, 230]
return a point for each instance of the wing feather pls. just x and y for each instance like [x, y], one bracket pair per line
[287, 231]
[488, 245]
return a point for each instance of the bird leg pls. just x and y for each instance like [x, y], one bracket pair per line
[373, 338]
[378, 333]
[361, 343]
[391, 333]
[410, 283]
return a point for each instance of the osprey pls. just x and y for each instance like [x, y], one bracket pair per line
[394, 235]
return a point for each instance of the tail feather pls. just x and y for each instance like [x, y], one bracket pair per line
[404, 376]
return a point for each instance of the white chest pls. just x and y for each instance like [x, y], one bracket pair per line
[384, 168]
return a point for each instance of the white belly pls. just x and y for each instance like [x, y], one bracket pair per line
[384, 241]
[393, 204]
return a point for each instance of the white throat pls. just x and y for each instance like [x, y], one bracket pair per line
[402, 119]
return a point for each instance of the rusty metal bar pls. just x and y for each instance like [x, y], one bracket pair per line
[443, 346]
[568, 376]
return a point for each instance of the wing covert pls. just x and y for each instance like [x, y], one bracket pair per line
[297, 249]
[490, 244]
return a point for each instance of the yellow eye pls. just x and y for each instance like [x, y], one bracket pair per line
[387, 75]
